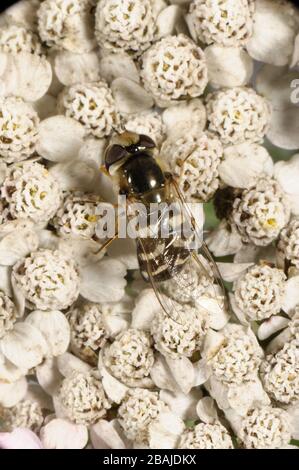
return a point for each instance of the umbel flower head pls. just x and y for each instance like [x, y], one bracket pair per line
[128, 25]
[288, 244]
[30, 192]
[182, 335]
[259, 292]
[83, 397]
[25, 414]
[77, 216]
[147, 123]
[238, 115]
[261, 212]
[15, 38]
[239, 358]
[47, 279]
[91, 104]
[130, 357]
[66, 24]
[265, 428]
[280, 374]
[194, 160]
[8, 314]
[138, 410]
[174, 68]
[227, 22]
[18, 129]
[206, 436]
[88, 333]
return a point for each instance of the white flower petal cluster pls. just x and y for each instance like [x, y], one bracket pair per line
[259, 292]
[128, 25]
[137, 411]
[261, 212]
[47, 279]
[18, 129]
[25, 414]
[83, 397]
[194, 159]
[88, 332]
[227, 22]
[8, 314]
[288, 244]
[206, 436]
[15, 38]
[30, 192]
[66, 24]
[266, 428]
[130, 357]
[280, 374]
[182, 334]
[238, 359]
[147, 123]
[93, 105]
[174, 68]
[77, 216]
[237, 115]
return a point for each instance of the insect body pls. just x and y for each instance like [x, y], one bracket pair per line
[167, 259]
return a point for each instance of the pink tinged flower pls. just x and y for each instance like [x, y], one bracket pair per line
[20, 438]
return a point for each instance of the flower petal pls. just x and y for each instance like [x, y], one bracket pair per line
[103, 281]
[62, 434]
[291, 295]
[147, 305]
[71, 68]
[206, 410]
[60, 138]
[54, 327]
[130, 97]
[118, 64]
[24, 346]
[107, 435]
[19, 439]
[17, 245]
[182, 371]
[12, 393]
[271, 326]
[223, 242]
[183, 406]
[165, 431]
[67, 363]
[48, 376]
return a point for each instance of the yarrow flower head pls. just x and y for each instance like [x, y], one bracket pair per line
[77, 216]
[138, 410]
[47, 279]
[147, 123]
[83, 397]
[239, 358]
[127, 25]
[266, 428]
[238, 115]
[174, 68]
[25, 414]
[194, 159]
[261, 212]
[18, 129]
[130, 357]
[280, 374]
[16, 38]
[30, 192]
[182, 336]
[93, 105]
[8, 314]
[206, 436]
[288, 244]
[88, 333]
[227, 22]
[66, 24]
[259, 292]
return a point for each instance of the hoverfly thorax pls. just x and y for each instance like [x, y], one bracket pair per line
[130, 159]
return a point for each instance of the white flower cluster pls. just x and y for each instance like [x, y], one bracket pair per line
[194, 159]
[91, 355]
[174, 68]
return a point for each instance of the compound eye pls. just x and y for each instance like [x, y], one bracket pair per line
[146, 142]
[114, 154]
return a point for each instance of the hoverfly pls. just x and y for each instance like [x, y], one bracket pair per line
[168, 263]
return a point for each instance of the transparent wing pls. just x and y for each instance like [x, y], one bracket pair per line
[179, 265]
